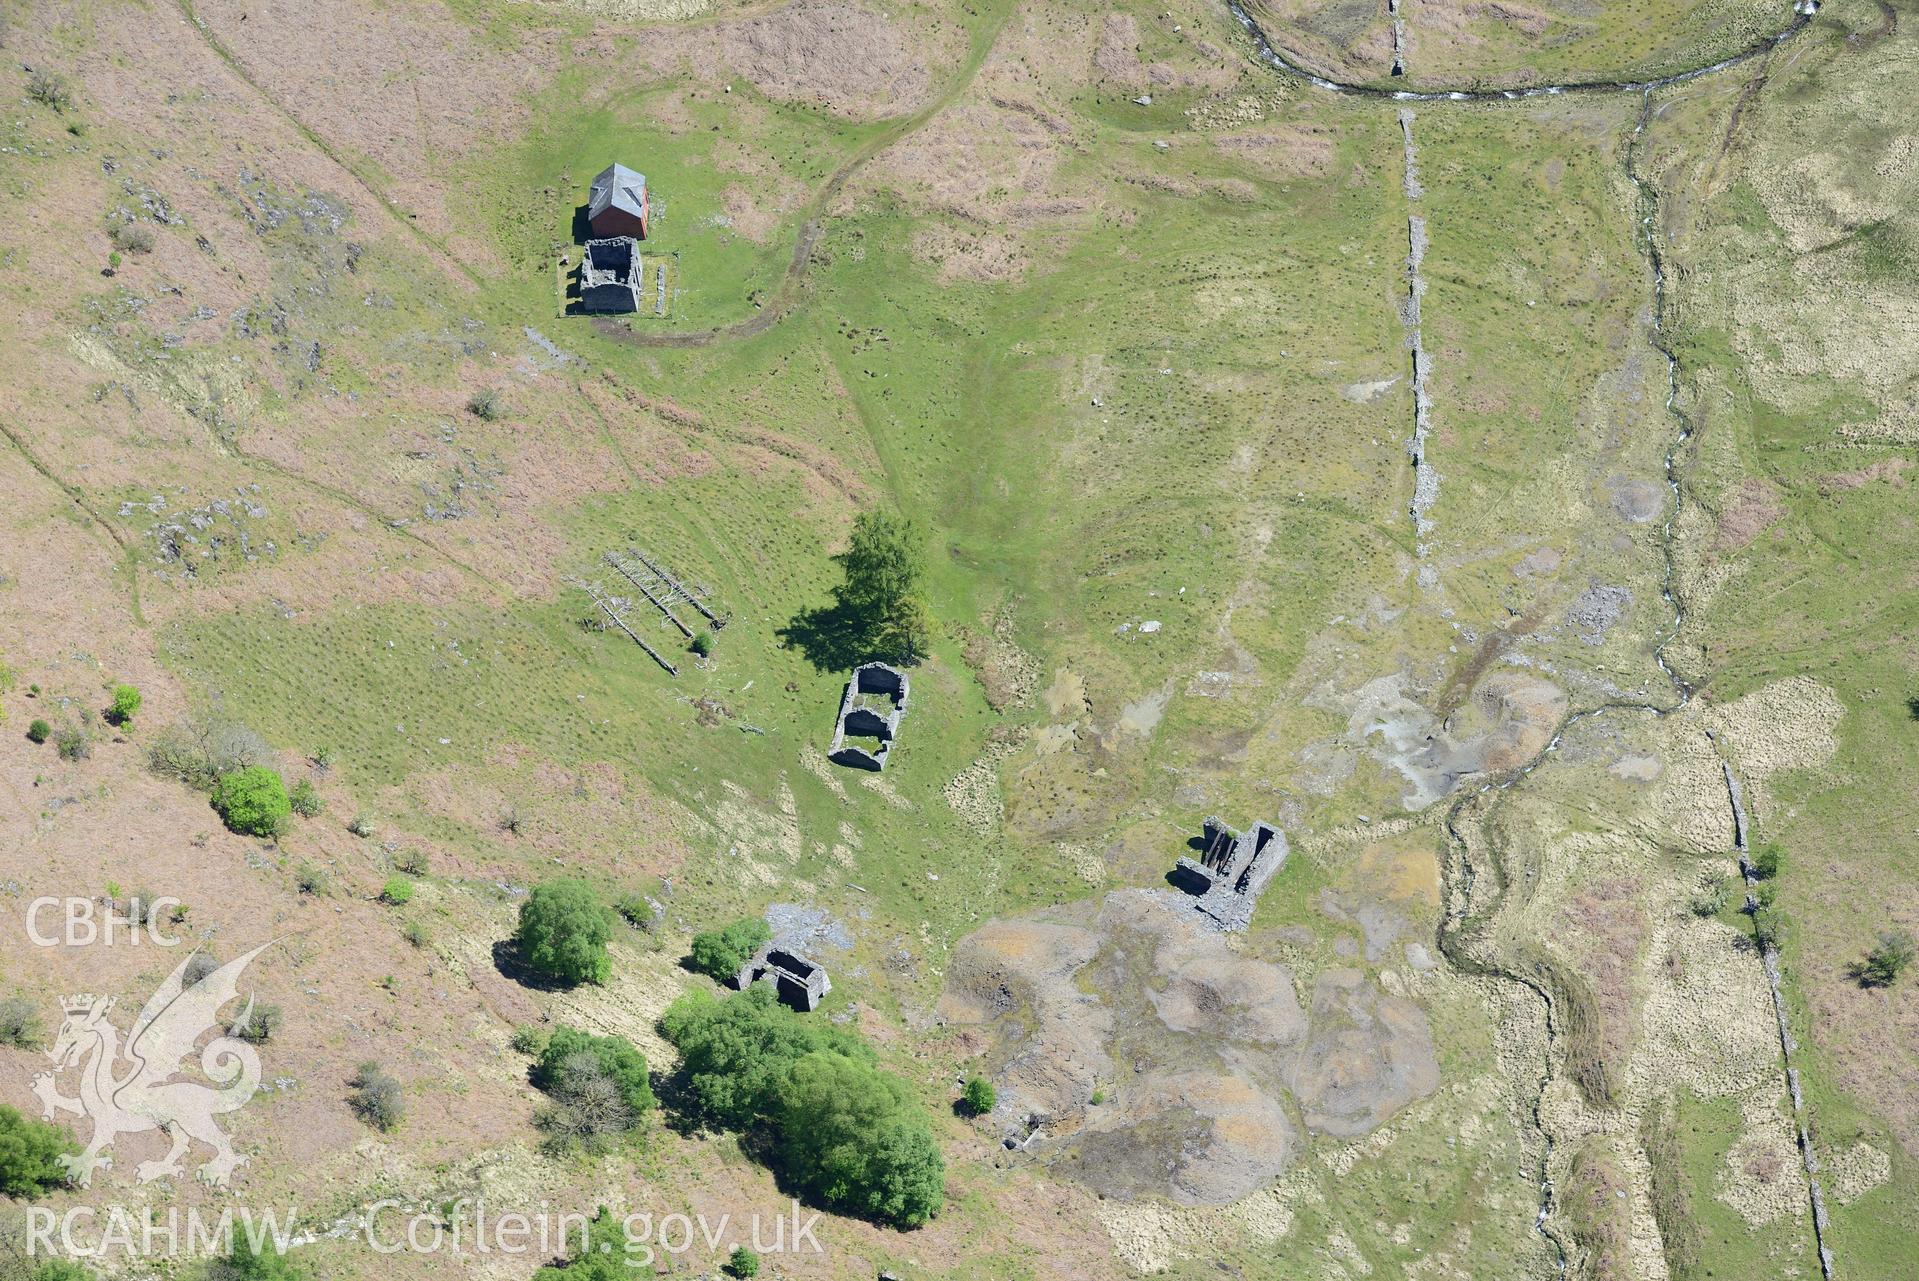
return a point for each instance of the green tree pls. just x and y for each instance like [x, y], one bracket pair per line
[564, 930]
[979, 1096]
[252, 801]
[886, 584]
[743, 1263]
[39, 731]
[30, 1154]
[735, 1052]
[397, 892]
[568, 1051]
[126, 701]
[1889, 957]
[1767, 860]
[718, 954]
[851, 1138]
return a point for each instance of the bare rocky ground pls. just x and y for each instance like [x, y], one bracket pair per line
[1207, 1064]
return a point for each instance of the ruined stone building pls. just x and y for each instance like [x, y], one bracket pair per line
[797, 981]
[874, 704]
[616, 206]
[1232, 869]
[610, 275]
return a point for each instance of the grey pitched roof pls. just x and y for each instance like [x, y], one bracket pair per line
[617, 187]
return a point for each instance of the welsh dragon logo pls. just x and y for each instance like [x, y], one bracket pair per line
[129, 1090]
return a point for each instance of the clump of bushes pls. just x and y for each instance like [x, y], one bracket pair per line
[309, 879]
[133, 238]
[486, 405]
[1890, 956]
[397, 892]
[252, 801]
[305, 799]
[73, 743]
[847, 1134]
[200, 752]
[598, 1086]
[718, 954]
[1711, 898]
[531, 1039]
[258, 1022]
[246, 1263]
[377, 1098]
[979, 1096]
[30, 1154]
[19, 1022]
[563, 932]
[39, 732]
[411, 861]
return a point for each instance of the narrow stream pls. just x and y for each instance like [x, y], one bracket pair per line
[1458, 920]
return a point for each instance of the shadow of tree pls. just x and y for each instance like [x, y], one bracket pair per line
[834, 638]
[511, 965]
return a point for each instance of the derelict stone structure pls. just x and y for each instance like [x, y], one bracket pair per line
[1231, 871]
[875, 703]
[610, 275]
[796, 980]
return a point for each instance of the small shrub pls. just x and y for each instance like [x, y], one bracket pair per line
[360, 825]
[305, 799]
[1889, 958]
[73, 744]
[510, 820]
[133, 238]
[323, 759]
[485, 405]
[137, 907]
[638, 911]
[19, 1022]
[397, 892]
[377, 1098]
[50, 90]
[309, 879]
[245, 1263]
[411, 861]
[414, 933]
[702, 644]
[1767, 927]
[258, 1022]
[719, 954]
[1767, 861]
[531, 1039]
[30, 1154]
[126, 701]
[1711, 898]
[979, 1096]
[252, 801]
[743, 1263]
[199, 966]
[39, 732]
[563, 932]
[1098, 1097]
